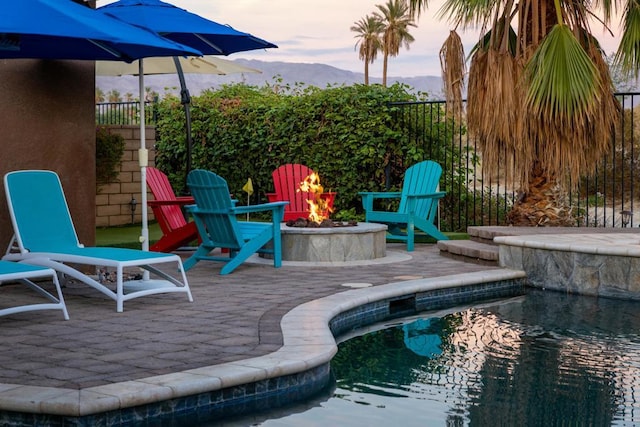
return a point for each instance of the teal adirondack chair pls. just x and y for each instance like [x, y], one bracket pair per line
[215, 217]
[418, 204]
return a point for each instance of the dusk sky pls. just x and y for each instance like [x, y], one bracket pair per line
[319, 32]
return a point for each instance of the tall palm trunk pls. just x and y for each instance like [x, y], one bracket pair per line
[385, 61]
[542, 204]
[366, 73]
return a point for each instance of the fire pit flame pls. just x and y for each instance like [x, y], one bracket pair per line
[319, 209]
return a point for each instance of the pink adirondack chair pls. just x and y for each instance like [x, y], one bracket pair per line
[167, 209]
[286, 182]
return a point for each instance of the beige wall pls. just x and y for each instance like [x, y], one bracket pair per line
[47, 121]
[112, 201]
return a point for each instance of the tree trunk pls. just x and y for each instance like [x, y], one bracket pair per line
[384, 69]
[543, 205]
[366, 72]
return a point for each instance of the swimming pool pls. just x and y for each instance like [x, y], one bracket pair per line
[546, 358]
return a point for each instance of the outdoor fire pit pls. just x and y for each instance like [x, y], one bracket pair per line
[317, 238]
[351, 242]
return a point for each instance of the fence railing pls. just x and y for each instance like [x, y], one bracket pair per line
[124, 113]
[608, 198]
[480, 197]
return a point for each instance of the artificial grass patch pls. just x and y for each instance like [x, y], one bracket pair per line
[126, 236]
[424, 238]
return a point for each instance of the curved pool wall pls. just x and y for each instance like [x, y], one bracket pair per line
[606, 265]
[295, 372]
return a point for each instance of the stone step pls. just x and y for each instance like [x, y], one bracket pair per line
[469, 251]
[482, 250]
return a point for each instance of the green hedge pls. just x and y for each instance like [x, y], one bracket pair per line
[346, 134]
[109, 150]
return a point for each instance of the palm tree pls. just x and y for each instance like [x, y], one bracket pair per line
[540, 95]
[368, 31]
[100, 96]
[114, 96]
[396, 19]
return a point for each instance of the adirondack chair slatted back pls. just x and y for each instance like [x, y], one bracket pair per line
[286, 181]
[421, 178]
[212, 197]
[418, 204]
[39, 211]
[171, 217]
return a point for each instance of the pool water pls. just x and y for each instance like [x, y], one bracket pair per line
[543, 359]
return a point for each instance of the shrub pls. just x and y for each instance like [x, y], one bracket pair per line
[109, 151]
[350, 135]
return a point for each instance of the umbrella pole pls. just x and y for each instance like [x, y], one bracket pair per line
[143, 159]
[185, 99]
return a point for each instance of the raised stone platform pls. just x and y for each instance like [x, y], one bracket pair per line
[606, 265]
[364, 241]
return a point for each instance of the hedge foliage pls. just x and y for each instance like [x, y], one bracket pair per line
[109, 151]
[346, 134]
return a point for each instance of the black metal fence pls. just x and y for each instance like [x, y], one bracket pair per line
[124, 113]
[480, 197]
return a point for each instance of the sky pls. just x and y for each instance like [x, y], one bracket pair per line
[313, 31]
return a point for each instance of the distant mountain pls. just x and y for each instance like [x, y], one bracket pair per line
[284, 73]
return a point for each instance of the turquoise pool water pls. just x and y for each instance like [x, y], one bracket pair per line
[545, 359]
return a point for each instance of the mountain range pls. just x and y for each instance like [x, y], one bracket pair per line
[272, 73]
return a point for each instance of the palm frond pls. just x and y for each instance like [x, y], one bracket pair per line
[469, 13]
[452, 62]
[494, 107]
[628, 54]
[562, 79]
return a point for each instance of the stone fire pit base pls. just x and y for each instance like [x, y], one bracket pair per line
[365, 241]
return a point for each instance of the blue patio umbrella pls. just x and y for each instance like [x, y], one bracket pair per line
[62, 29]
[182, 26]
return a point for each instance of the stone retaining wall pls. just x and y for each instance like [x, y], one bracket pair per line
[603, 265]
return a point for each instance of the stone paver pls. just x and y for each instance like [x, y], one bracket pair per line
[232, 318]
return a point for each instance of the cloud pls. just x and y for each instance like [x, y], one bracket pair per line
[319, 32]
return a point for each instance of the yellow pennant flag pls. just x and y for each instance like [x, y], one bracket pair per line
[248, 187]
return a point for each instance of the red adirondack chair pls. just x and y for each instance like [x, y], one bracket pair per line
[286, 182]
[167, 209]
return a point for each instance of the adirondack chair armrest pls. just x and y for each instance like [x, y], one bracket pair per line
[412, 199]
[272, 197]
[186, 199]
[180, 201]
[368, 197]
[260, 208]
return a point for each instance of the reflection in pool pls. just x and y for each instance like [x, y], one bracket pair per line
[543, 359]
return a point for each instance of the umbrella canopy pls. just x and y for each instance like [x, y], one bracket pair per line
[62, 29]
[182, 26]
[50, 29]
[164, 65]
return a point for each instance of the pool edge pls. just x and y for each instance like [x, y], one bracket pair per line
[300, 368]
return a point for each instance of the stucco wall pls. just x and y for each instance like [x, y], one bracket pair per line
[47, 121]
